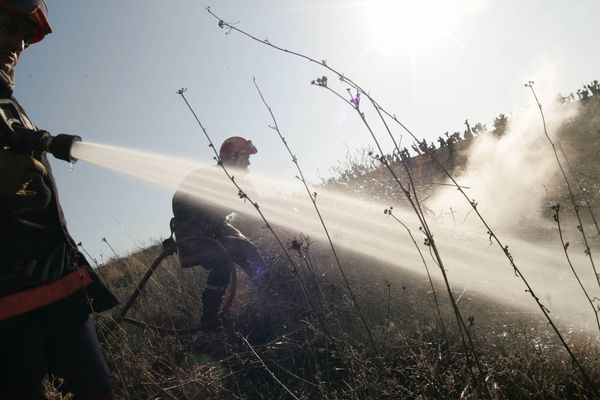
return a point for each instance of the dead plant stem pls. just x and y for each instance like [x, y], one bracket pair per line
[268, 370]
[313, 199]
[581, 228]
[437, 306]
[244, 196]
[469, 347]
[580, 190]
[473, 204]
[565, 247]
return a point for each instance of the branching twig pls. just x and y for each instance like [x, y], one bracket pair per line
[581, 191]
[301, 246]
[588, 251]
[413, 200]
[268, 370]
[313, 199]
[472, 202]
[469, 349]
[244, 196]
[389, 211]
[111, 248]
[80, 245]
[565, 246]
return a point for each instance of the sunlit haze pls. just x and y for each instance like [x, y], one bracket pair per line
[404, 25]
[361, 227]
[110, 70]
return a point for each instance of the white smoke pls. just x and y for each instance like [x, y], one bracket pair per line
[507, 176]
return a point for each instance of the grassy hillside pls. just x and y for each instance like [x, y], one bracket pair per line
[274, 339]
[299, 334]
[578, 139]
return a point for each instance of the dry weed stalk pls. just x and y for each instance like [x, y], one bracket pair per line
[389, 211]
[243, 195]
[313, 199]
[413, 199]
[580, 227]
[468, 345]
[565, 246]
[301, 246]
[581, 191]
[470, 350]
[268, 370]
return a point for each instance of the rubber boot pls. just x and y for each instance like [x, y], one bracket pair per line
[211, 304]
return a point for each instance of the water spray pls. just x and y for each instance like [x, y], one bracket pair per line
[466, 250]
[361, 227]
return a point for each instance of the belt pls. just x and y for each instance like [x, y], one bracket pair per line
[32, 299]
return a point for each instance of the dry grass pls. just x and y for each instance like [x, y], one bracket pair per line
[326, 355]
[275, 347]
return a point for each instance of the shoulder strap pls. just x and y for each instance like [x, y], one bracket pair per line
[11, 114]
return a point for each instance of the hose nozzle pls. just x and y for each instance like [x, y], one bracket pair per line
[28, 140]
[60, 146]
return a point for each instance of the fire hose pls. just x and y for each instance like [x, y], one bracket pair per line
[169, 248]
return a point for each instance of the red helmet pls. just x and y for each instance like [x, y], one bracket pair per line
[34, 10]
[236, 146]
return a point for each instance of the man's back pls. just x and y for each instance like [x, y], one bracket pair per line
[189, 204]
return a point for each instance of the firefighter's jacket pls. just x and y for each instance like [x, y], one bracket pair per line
[197, 219]
[35, 246]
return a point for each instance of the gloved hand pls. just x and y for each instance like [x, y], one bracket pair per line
[22, 176]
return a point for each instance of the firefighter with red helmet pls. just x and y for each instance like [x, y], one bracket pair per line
[47, 289]
[236, 152]
[205, 237]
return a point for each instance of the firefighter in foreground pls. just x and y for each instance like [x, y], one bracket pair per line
[205, 237]
[47, 289]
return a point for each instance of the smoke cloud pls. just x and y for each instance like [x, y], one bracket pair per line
[508, 175]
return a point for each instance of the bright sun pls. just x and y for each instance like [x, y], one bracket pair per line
[409, 24]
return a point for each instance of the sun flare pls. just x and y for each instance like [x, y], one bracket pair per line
[409, 24]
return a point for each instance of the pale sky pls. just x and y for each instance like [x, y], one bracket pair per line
[110, 70]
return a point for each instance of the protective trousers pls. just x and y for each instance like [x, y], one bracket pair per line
[58, 341]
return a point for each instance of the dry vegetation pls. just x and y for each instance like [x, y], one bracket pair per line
[283, 342]
[275, 344]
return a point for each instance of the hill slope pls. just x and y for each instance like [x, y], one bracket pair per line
[302, 334]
